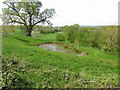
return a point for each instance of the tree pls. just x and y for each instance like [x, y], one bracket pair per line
[27, 14]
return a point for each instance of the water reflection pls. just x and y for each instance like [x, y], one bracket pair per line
[53, 47]
[59, 48]
[56, 47]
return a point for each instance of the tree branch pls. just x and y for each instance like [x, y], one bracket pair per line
[17, 13]
[43, 20]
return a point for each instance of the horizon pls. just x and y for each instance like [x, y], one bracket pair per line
[73, 24]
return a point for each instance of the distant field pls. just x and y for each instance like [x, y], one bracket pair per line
[56, 69]
[48, 36]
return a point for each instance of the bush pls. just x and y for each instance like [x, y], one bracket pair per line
[103, 37]
[60, 37]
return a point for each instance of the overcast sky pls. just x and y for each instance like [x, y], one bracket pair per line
[82, 12]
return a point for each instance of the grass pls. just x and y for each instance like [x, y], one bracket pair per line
[50, 36]
[61, 70]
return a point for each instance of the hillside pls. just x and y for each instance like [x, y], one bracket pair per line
[56, 69]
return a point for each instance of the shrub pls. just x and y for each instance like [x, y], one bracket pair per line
[103, 37]
[60, 37]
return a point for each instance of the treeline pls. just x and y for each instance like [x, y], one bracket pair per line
[20, 29]
[38, 30]
[6, 29]
[103, 37]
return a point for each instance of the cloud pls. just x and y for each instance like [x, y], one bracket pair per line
[84, 12]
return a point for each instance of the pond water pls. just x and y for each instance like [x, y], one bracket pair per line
[56, 47]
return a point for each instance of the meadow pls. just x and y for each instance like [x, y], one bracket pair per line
[52, 69]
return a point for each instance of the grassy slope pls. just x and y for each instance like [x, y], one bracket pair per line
[56, 69]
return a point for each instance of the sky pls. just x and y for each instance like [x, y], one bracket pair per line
[82, 12]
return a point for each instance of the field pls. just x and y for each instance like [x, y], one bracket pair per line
[54, 69]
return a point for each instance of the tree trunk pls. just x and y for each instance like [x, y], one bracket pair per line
[29, 33]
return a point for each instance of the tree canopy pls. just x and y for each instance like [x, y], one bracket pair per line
[28, 14]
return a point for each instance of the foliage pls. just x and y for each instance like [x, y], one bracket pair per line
[26, 13]
[60, 37]
[21, 30]
[8, 29]
[47, 29]
[11, 72]
[104, 37]
[71, 32]
[109, 38]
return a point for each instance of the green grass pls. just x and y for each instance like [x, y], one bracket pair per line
[50, 36]
[56, 69]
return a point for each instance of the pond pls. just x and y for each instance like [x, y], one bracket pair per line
[57, 47]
